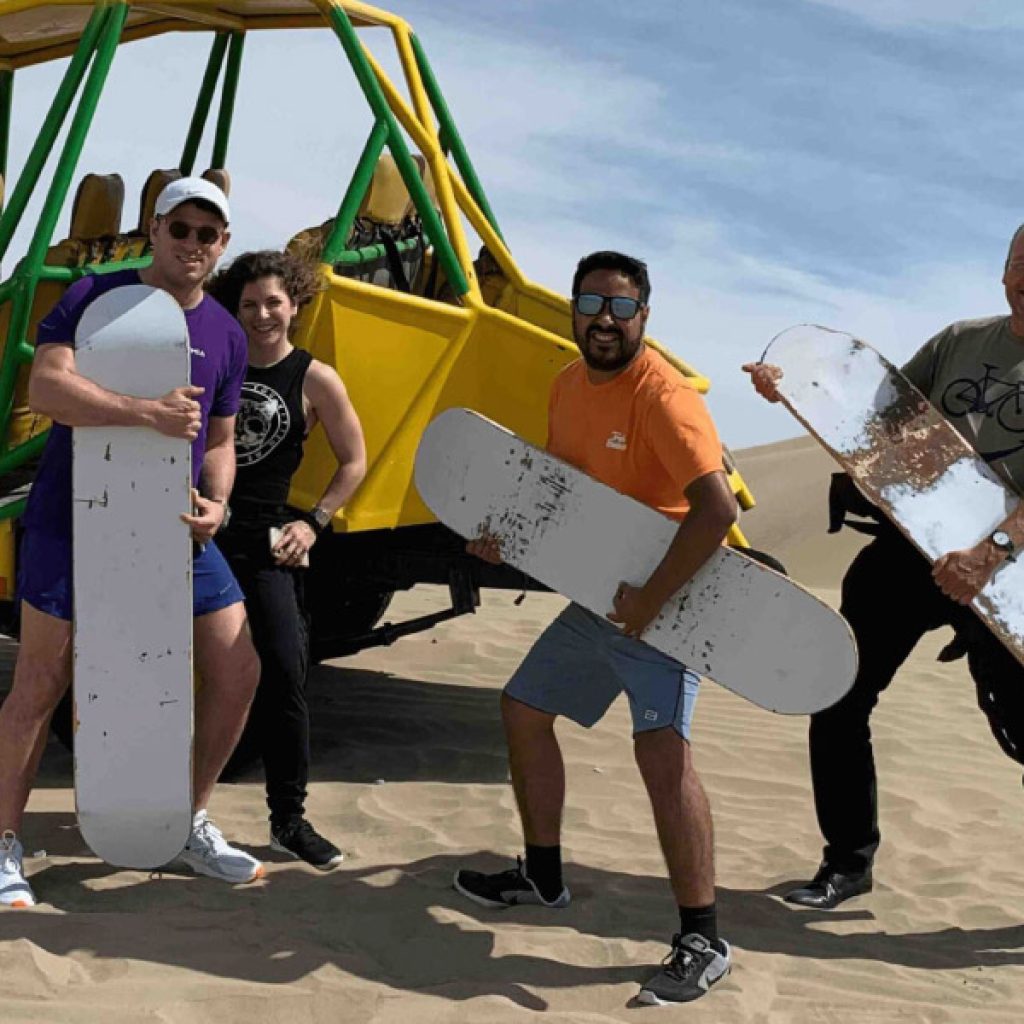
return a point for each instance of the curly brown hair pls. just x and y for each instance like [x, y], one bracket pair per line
[300, 280]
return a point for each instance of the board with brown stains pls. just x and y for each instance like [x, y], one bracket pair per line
[133, 591]
[902, 455]
[738, 622]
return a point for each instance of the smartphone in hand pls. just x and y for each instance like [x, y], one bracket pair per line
[275, 538]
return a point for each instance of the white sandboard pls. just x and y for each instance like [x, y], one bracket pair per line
[903, 455]
[742, 624]
[133, 591]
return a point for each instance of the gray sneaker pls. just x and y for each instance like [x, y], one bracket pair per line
[207, 852]
[692, 966]
[14, 889]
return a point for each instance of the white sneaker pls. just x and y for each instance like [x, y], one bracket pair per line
[14, 889]
[207, 852]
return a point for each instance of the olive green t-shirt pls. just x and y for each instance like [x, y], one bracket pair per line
[973, 373]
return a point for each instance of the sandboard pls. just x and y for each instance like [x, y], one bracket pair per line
[742, 624]
[902, 455]
[133, 591]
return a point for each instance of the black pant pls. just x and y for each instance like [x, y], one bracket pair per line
[890, 601]
[280, 715]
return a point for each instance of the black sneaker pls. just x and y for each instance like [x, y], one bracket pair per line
[690, 969]
[303, 842]
[505, 888]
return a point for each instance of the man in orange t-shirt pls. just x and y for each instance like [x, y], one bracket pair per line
[624, 415]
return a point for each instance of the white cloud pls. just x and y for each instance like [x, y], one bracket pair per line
[719, 307]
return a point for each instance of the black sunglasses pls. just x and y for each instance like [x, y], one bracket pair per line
[622, 306]
[206, 234]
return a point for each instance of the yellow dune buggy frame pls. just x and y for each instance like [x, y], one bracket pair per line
[412, 321]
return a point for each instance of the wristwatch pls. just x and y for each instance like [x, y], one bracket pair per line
[1002, 540]
[223, 502]
[321, 517]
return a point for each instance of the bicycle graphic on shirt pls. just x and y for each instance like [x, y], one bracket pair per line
[963, 396]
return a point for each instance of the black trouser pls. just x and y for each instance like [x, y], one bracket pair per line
[280, 715]
[890, 601]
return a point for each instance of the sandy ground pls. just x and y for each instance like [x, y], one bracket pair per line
[410, 778]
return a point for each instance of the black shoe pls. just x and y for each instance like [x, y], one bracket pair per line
[303, 842]
[692, 966]
[505, 889]
[829, 888]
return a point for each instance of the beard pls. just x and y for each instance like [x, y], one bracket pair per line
[607, 362]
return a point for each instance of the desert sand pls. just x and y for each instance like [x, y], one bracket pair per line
[410, 778]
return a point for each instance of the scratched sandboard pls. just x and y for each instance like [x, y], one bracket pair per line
[133, 591]
[902, 455]
[738, 622]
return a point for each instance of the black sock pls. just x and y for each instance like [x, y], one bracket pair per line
[702, 920]
[544, 869]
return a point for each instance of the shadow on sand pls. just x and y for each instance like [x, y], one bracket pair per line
[362, 720]
[403, 926]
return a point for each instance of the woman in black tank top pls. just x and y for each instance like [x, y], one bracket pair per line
[285, 394]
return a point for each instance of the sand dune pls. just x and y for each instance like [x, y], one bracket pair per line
[790, 480]
[410, 776]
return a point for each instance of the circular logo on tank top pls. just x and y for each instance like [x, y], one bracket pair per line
[262, 423]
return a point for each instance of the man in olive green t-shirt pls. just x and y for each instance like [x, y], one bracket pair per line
[973, 373]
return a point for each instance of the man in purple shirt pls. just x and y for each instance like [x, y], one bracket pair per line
[188, 234]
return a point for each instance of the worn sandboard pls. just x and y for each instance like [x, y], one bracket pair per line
[742, 624]
[133, 591]
[903, 456]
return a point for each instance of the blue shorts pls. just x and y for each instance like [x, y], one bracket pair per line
[582, 662]
[45, 577]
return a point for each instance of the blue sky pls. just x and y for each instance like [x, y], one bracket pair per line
[847, 162]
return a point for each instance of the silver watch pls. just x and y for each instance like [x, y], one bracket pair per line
[1002, 540]
[321, 516]
[223, 502]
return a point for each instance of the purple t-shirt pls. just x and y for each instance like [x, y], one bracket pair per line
[219, 360]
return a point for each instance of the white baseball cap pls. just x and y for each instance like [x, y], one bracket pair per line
[184, 190]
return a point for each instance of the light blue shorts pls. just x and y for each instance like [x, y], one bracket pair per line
[582, 662]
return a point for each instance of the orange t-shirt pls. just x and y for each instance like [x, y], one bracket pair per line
[646, 432]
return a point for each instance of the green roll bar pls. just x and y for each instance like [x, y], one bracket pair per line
[450, 138]
[202, 108]
[231, 44]
[353, 257]
[80, 124]
[96, 47]
[334, 250]
[52, 124]
[395, 141]
[227, 100]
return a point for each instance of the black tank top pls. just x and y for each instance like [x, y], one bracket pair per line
[269, 432]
